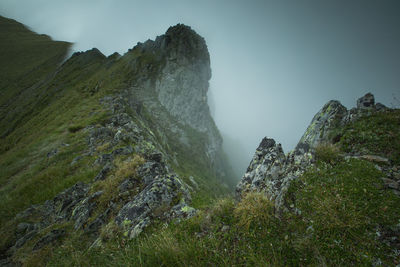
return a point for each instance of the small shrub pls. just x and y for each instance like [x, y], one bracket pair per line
[128, 168]
[327, 153]
[254, 211]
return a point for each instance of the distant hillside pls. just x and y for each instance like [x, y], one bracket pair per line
[26, 60]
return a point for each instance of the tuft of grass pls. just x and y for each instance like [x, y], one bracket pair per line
[123, 170]
[327, 153]
[127, 168]
[253, 211]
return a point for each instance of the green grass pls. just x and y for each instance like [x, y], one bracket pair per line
[342, 209]
[376, 134]
[327, 153]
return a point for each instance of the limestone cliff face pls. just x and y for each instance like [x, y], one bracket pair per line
[176, 77]
[271, 171]
[184, 81]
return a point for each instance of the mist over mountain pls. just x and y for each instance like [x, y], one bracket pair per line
[273, 62]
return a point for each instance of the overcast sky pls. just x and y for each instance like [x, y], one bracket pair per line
[274, 63]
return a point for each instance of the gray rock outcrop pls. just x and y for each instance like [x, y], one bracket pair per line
[366, 102]
[162, 195]
[329, 118]
[177, 77]
[271, 171]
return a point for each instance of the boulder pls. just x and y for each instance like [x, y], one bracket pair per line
[366, 102]
[271, 171]
[157, 200]
[329, 118]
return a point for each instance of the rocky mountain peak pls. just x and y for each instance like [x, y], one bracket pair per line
[181, 80]
[181, 40]
[266, 143]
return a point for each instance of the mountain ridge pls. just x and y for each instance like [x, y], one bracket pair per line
[137, 124]
[116, 161]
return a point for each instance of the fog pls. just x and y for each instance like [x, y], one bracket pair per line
[274, 63]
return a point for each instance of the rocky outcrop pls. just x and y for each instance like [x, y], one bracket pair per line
[366, 102]
[162, 198]
[177, 77]
[332, 117]
[271, 171]
[329, 118]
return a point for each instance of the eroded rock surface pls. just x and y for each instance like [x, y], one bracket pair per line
[271, 171]
[162, 195]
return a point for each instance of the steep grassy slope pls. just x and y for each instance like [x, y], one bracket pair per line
[26, 57]
[26, 60]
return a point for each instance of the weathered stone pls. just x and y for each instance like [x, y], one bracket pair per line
[126, 185]
[28, 236]
[366, 102]
[49, 238]
[375, 158]
[65, 201]
[75, 160]
[155, 200]
[104, 159]
[52, 153]
[328, 119]
[225, 228]
[396, 175]
[271, 172]
[123, 151]
[181, 210]
[103, 172]
[156, 156]
[100, 135]
[391, 183]
[22, 228]
[173, 71]
[149, 170]
[380, 107]
[81, 214]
